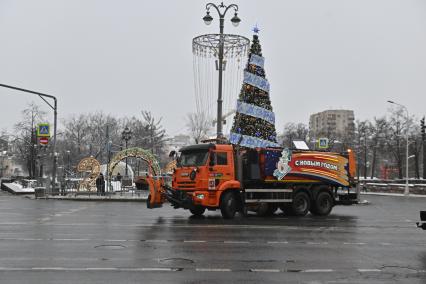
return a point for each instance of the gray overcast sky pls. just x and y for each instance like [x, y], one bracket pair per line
[125, 56]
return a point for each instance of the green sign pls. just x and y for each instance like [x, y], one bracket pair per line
[43, 130]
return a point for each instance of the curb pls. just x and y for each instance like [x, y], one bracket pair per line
[107, 199]
[392, 194]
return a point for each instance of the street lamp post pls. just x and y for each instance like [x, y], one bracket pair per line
[55, 120]
[69, 162]
[2, 155]
[406, 190]
[126, 135]
[235, 21]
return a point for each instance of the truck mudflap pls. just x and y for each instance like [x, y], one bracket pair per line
[422, 224]
[347, 199]
[156, 195]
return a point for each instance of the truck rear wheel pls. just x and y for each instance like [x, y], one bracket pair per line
[323, 204]
[197, 210]
[301, 204]
[228, 205]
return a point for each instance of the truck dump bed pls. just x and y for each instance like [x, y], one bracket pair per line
[305, 166]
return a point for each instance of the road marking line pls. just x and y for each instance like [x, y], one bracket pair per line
[47, 268]
[385, 244]
[264, 270]
[101, 268]
[87, 269]
[317, 270]
[114, 240]
[157, 269]
[156, 241]
[236, 242]
[277, 242]
[369, 270]
[213, 269]
[317, 243]
[354, 243]
[71, 239]
[193, 241]
[12, 269]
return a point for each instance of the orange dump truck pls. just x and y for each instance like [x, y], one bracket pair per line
[221, 176]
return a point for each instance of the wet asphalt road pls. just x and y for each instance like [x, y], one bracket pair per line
[48, 241]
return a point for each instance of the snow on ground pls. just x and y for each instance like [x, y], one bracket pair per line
[18, 188]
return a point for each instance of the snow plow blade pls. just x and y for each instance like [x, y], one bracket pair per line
[156, 195]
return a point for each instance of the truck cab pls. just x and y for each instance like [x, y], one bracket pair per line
[203, 173]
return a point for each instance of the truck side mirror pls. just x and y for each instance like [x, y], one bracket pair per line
[172, 153]
[212, 159]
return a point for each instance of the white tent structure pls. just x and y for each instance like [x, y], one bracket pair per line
[120, 168]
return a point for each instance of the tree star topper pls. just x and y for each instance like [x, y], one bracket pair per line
[256, 29]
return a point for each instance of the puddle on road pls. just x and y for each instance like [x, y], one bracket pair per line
[110, 246]
[175, 260]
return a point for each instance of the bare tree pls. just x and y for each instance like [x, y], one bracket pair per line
[362, 131]
[76, 133]
[292, 132]
[155, 131]
[395, 142]
[25, 139]
[378, 133]
[198, 125]
[416, 147]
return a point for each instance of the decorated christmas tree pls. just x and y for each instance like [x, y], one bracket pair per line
[254, 121]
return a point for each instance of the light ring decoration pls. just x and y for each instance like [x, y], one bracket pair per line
[145, 155]
[168, 169]
[91, 166]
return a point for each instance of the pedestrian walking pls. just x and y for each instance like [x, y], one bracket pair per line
[100, 185]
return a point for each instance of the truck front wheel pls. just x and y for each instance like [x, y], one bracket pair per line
[301, 204]
[323, 204]
[228, 205]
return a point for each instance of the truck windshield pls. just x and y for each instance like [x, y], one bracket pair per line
[193, 158]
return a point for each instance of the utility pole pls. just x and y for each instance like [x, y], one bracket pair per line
[108, 177]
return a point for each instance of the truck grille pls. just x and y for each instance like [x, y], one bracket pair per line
[186, 184]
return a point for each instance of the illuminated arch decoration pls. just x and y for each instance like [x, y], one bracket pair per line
[91, 166]
[145, 155]
[170, 167]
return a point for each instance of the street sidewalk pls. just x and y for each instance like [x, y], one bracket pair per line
[125, 196]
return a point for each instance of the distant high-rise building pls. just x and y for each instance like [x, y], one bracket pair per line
[333, 124]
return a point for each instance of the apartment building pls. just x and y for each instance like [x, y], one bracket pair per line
[332, 124]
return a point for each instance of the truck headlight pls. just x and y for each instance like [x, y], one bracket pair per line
[199, 196]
